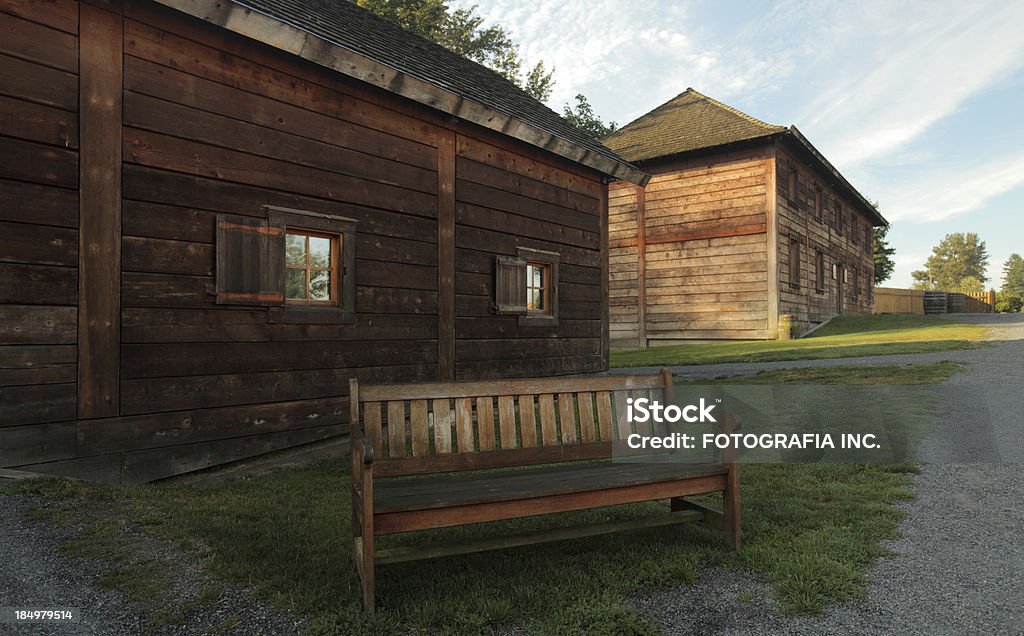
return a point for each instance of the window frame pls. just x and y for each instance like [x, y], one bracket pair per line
[794, 184]
[342, 231]
[549, 260]
[794, 261]
[545, 288]
[334, 267]
[819, 271]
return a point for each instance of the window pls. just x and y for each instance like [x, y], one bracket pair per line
[856, 283]
[840, 218]
[819, 271]
[869, 239]
[526, 285]
[818, 203]
[794, 262]
[793, 182]
[869, 285]
[299, 264]
[538, 288]
[311, 263]
[854, 229]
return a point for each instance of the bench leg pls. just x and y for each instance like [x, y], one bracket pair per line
[731, 506]
[365, 565]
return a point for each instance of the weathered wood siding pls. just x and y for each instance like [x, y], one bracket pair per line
[847, 248]
[704, 268]
[39, 251]
[213, 123]
[506, 201]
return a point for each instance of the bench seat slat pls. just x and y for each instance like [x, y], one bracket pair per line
[398, 495]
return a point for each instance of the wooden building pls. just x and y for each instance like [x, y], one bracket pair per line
[215, 213]
[742, 222]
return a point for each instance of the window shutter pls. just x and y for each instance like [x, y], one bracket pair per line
[510, 285]
[250, 261]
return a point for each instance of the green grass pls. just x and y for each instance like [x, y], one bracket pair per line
[845, 336]
[810, 529]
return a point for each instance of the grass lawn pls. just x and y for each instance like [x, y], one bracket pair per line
[810, 529]
[844, 337]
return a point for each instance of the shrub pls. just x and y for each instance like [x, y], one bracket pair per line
[1007, 303]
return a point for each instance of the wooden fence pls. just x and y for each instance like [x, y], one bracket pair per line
[889, 300]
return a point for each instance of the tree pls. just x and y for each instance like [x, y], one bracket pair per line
[462, 31]
[584, 118]
[1013, 275]
[884, 263]
[957, 263]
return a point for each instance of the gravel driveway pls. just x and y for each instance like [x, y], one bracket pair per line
[959, 566]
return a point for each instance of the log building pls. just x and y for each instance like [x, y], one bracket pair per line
[742, 222]
[217, 212]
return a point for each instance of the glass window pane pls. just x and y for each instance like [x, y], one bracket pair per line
[320, 286]
[319, 251]
[295, 284]
[295, 249]
[535, 300]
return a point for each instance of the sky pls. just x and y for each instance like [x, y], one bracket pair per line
[919, 104]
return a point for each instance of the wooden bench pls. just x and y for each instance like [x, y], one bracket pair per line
[573, 425]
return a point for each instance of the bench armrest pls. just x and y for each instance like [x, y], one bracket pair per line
[362, 451]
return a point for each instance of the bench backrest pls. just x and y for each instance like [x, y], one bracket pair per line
[421, 428]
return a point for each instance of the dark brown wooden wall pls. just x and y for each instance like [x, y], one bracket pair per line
[39, 252]
[505, 201]
[213, 123]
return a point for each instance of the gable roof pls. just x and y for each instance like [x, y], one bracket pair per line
[691, 121]
[688, 121]
[355, 42]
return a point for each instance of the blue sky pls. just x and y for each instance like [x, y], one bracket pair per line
[919, 104]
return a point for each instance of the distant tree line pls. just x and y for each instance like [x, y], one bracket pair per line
[463, 32]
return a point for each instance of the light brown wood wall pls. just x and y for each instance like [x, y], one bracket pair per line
[704, 247]
[797, 218]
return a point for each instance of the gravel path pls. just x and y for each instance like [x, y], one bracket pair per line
[34, 574]
[959, 566]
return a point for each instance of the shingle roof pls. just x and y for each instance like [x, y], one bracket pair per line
[469, 90]
[689, 121]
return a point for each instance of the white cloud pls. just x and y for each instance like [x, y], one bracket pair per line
[629, 57]
[891, 85]
[943, 193]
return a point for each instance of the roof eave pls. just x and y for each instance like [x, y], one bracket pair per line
[291, 39]
[827, 165]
